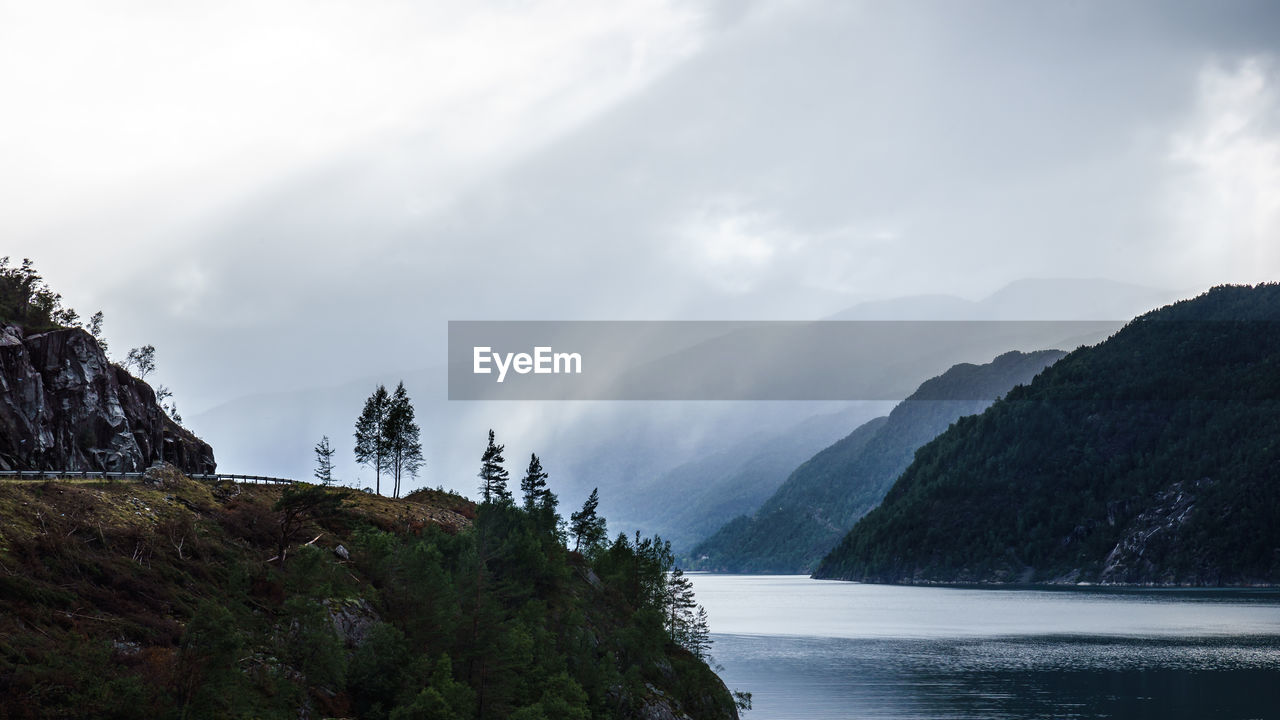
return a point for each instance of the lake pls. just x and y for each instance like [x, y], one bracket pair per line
[824, 649]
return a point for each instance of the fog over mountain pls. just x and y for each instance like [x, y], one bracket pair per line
[634, 451]
[291, 200]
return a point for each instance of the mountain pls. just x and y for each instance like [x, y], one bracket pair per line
[679, 469]
[1150, 458]
[823, 498]
[1025, 299]
[65, 406]
[690, 501]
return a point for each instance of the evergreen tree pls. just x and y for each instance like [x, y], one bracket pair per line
[493, 475]
[681, 606]
[206, 681]
[534, 485]
[401, 438]
[539, 502]
[300, 504]
[698, 641]
[371, 447]
[324, 461]
[586, 525]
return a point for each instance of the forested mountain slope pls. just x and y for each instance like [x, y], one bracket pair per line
[1153, 457]
[822, 498]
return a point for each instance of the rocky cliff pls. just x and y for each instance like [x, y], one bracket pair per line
[65, 406]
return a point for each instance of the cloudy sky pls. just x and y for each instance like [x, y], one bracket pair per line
[288, 194]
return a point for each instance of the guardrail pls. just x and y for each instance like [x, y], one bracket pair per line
[107, 475]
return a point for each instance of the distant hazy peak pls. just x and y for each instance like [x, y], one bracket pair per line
[1026, 299]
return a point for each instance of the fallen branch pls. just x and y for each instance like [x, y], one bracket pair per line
[277, 557]
[90, 617]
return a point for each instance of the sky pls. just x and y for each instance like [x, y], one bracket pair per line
[286, 194]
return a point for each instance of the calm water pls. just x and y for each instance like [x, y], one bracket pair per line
[821, 649]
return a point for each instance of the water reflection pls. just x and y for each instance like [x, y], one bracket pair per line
[838, 650]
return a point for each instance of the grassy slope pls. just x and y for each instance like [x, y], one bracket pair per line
[101, 583]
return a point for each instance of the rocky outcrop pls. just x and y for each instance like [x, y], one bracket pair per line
[1140, 557]
[65, 406]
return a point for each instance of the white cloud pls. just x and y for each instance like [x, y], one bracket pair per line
[1225, 194]
[727, 233]
[737, 247]
[128, 121]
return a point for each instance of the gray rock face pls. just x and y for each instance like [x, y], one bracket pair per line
[64, 406]
[352, 620]
[1140, 557]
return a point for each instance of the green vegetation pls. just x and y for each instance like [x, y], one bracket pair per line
[388, 438]
[180, 599]
[1149, 458]
[371, 439]
[324, 461]
[824, 497]
[586, 525]
[26, 300]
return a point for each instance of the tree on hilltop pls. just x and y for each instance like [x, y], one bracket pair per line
[539, 501]
[533, 485]
[324, 461]
[371, 448]
[586, 525]
[400, 435]
[493, 473]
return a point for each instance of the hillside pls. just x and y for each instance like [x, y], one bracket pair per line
[823, 498]
[168, 599]
[1150, 458]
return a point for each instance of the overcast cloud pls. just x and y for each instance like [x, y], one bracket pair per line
[292, 194]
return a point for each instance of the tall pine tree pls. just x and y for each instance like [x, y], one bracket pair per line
[586, 525]
[493, 474]
[400, 435]
[680, 604]
[534, 485]
[371, 447]
[324, 461]
[539, 501]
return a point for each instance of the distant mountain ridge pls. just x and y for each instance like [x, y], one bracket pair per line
[273, 432]
[1026, 299]
[690, 501]
[1151, 458]
[823, 497]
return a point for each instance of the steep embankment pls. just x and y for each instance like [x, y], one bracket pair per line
[1149, 458]
[165, 599]
[65, 406]
[823, 498]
